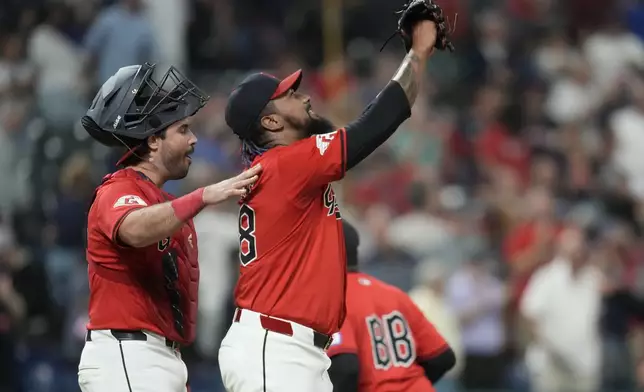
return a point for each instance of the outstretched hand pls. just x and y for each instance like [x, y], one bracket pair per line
[233, 187]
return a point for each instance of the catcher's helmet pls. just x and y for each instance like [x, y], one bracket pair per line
[131, 106]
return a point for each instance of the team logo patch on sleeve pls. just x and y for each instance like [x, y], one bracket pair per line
[322, 141]
[337, 339]
[129, 200]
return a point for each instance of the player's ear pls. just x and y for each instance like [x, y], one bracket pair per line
[272, 122]
[153, 142]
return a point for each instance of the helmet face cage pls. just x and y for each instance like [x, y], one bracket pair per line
[172, 92]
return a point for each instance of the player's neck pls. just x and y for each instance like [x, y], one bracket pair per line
[287, 137]
[151, 172]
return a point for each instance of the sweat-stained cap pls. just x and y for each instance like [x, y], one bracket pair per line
[251, 96]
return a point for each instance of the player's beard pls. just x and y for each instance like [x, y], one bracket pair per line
[319, 125]
[313, 125]
[177, 164]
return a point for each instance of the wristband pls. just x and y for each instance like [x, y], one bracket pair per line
[186, 207]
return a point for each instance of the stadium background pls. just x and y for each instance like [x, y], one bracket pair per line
[538, 117]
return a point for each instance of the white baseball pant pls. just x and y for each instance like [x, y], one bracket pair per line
[110, 365]
[253, 359]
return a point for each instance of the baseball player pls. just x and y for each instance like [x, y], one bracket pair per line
[290, 295]
[141, 242]
[386, 343]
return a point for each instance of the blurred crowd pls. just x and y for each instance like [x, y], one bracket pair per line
[510, 206]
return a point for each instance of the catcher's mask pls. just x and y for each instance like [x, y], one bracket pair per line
[131, 106]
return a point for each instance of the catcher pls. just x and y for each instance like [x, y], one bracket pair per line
[290, 295]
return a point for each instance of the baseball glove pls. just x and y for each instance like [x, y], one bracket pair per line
[415, 11]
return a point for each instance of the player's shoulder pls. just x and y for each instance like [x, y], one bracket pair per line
[122, 176]
[367, 296]
[323, 140]
[122, 188]
[270, 161]
[363, 288]
[267, 186]
[312, 145]
[116, 181]
[369, 282]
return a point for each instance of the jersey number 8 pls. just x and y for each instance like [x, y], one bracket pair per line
[247, 240]
[391, 341]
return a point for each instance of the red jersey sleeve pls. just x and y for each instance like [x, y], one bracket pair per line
[344, 341]
[113, 203]
[429, 342]
[314, 162]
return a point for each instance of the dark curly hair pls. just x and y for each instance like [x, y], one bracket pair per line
[256, 145]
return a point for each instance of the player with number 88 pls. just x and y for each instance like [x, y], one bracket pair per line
[386, 343]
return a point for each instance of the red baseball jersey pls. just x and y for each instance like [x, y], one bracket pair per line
[152, 288]
[292, 256]
[388, 333]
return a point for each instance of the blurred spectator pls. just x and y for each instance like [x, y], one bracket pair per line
[505, 204]
[30, 282]
[14, 192]
[65, 258]
[611, 51]
[422, 231]
[544, 173]
[16, 73]
[65, 263]
[429, 295]
[628, 141]
[578, 147]
[478, 299]
[121, 35]
[620, 306]
[573, 97]
[493, 47]
[169, 21]
[552, 56]
[530, 244]
[562, 306]
[421, 139]
[496, 145]
[58, 64]
[387, 262]
[382, 181]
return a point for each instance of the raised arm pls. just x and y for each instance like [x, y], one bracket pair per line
[393, 105]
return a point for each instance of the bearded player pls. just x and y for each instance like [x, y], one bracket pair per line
[141, 242]
[386, 343]
[290, 295]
